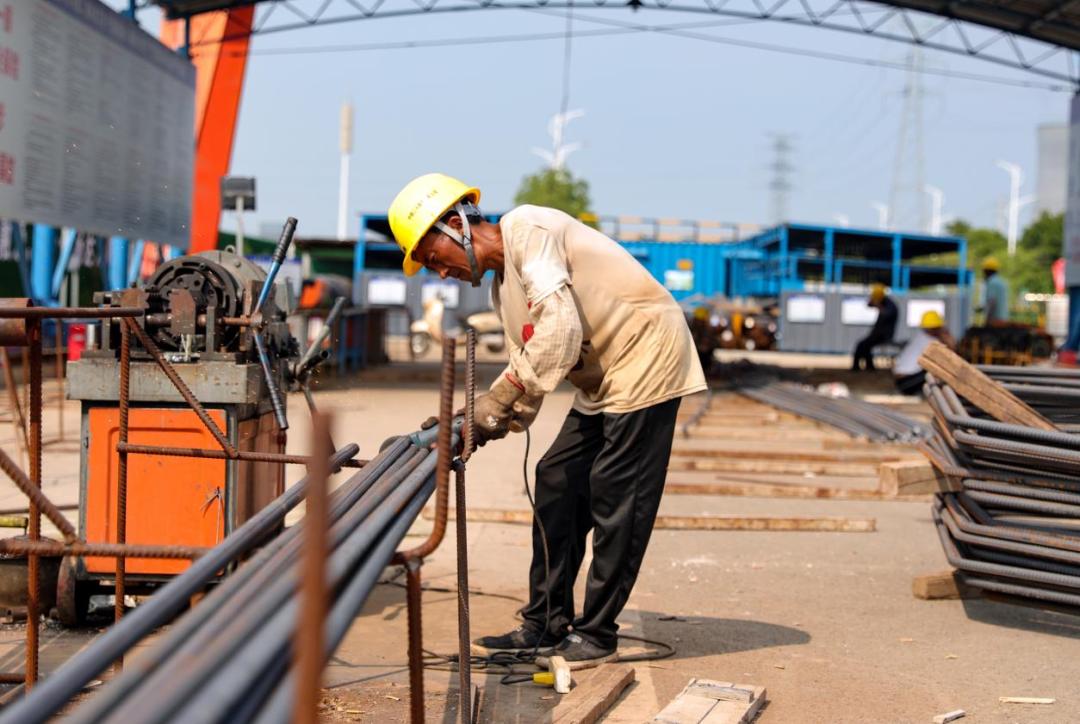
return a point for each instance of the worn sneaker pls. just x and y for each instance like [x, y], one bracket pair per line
[579, 653]
[520, 639]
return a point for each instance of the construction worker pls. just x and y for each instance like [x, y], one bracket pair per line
[574, 305]
[881, 333]
[907, 373]
[995, 292]
[701, 329]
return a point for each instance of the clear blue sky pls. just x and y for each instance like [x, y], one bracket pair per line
[674, 127]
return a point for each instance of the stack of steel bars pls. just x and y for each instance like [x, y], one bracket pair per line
[854, 416]
[228, 659]
[1053, 392]
[1012, 523]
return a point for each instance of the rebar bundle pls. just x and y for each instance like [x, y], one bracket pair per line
[1012, 524]
[854, 416]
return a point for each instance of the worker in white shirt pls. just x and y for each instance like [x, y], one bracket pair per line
[907, 373]
[574, 305]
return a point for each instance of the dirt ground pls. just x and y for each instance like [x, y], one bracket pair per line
[825, 621]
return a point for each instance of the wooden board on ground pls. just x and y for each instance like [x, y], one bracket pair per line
[941, 586]
[704, 701]
[911, 477]
[751, 489]
[588, 701]
[818, 456]
[980, 390]
[793, 467]
[818, 524]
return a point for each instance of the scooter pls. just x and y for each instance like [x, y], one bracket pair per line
[489, 330]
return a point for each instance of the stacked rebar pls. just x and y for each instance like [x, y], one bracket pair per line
[1053, 392]
[228, 658]
[1013, 524]
[854, 416]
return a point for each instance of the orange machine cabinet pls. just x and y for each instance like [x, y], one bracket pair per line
[170, 500]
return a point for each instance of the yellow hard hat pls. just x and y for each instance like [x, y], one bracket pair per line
[991, 264]
[931, 320]
[417, 207]
[877, 292]
[701, 313]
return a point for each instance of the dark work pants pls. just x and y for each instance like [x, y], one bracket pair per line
[603, 473]
[911, 384]
[864, 350]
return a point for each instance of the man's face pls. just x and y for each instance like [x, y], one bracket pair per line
[444, 256]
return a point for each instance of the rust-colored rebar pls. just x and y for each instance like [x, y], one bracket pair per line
[121, 474]
[18, 419]
[53, 549]
[443, 444]
[469, 446]
[413, 557]
[38, 313]
[464, 649]
[308, 641]
[416, 641]
[12, 678]
[33, 570]
[37, 497]
[251, 456]
[60, 378]
[181, 387]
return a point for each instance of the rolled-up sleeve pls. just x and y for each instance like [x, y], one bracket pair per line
[554, 347]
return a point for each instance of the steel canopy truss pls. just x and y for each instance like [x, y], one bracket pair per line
[1038, 36]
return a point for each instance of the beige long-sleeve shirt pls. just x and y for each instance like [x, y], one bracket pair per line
[575, 304]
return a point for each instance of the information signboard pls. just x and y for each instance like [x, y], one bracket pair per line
[96, 120]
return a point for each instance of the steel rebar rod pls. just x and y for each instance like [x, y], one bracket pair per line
[58, 689]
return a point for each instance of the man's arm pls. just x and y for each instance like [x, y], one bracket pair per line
[554, 347]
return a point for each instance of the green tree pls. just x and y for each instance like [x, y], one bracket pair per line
[556, 188]
[1036, 250]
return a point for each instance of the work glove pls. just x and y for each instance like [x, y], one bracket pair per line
[493, 410]
[525, 410]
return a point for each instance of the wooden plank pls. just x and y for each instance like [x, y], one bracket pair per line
[769, 490]
[703, 701]
[820, 524]
[941, 586]
[588, 701]
[854, 470]
[979, 389]
[824, 456]
[766, 434]
[911, 477]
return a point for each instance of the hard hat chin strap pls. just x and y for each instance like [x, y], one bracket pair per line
[464, 238]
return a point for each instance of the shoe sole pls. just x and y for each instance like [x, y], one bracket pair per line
[478, 650]
[585, 664]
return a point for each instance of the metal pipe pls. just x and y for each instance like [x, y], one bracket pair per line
[121, 474]
[258, 457]
[234, 593]
[52, 549]
[38, 313]
[464, 647]
[271, 387]
[33, 612]
[416, 640]
[308, 639]
[58, 689]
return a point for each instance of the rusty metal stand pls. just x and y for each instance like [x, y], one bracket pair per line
[121, 474]
[33, 329]
[308, 645]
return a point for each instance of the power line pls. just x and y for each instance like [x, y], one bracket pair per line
[780, 183]
[678, 30]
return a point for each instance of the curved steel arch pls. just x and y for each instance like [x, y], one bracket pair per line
[1053, 56]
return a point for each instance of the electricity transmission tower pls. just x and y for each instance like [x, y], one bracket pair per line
[907, 198]
[780, 181]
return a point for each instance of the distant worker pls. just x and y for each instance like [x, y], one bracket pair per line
[701, 329]
[907, 373]
[881, 333]
[995, 292]
[574, 305]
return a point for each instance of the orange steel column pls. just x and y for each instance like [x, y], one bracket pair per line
[219, 50]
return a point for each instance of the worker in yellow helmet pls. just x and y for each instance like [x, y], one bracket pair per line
[881, 333]
[995, 292]
[577, 306]
[907, 373]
